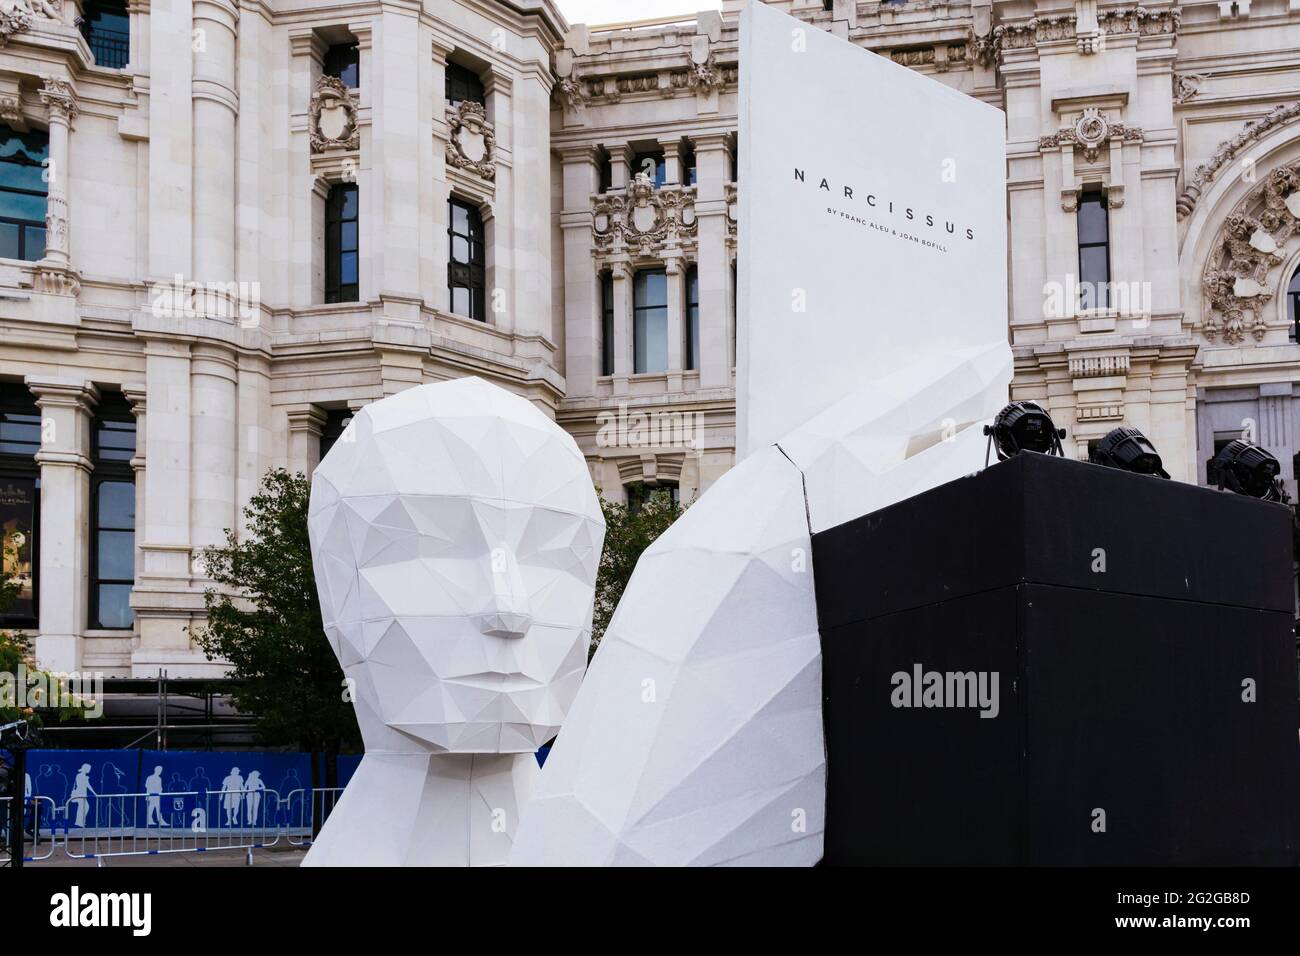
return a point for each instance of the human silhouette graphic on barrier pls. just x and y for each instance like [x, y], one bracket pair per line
[81, 792]
[232, 789]
[153, 788]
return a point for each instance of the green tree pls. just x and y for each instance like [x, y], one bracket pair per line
[628, 532]
[266, 622]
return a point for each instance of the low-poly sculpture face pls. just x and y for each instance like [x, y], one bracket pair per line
[455, 535]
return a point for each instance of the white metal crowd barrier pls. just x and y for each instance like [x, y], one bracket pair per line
[308, 811]
[105, 826]
[38, 817]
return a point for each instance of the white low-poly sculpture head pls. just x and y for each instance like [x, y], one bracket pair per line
[456, 534]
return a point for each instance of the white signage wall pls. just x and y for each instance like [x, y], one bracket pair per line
[872, 222]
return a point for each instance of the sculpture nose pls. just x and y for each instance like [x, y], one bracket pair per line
[507, 613]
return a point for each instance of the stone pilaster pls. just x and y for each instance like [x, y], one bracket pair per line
[582, 305]
[714, 268]
[306, 423]
[675, 273]
[216, 105]
[55, 273]
[66, 405]
[622, 273]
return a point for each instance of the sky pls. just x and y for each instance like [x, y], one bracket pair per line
[615, 11]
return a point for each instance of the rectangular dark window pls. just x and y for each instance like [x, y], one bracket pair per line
[1094, 251]
[688, 165]
[607, 323]
[466, 273]
[638, 493]
[106, 28]
[650, 164]
[464, 84]
[23, 194]
[650, 321]
[20, 501]
[336, 421]
[344, 61]
[112, 511]
[692, 317]
[341, 245]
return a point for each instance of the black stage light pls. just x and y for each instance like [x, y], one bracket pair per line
[1128, 449]
[1024, 426]
[1249, 470]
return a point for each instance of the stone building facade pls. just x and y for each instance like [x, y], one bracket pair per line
[225, 225]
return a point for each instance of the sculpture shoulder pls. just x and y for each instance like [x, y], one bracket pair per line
[711, 664]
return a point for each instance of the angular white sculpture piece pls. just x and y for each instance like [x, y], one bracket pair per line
[696, 738]
[455, 535]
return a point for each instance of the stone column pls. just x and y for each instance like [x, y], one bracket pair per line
[305, 258]
[391, 205]
[216, 105]
[712, 169]
[163, 600]
[620, 159]
[441, 192]
[675, 273]
[64, 458]
[56, 268]
[672, 161]
[213, 445]
[306, 422]
[582, 305]
[622, 275]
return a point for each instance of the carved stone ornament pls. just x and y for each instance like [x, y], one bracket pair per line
[705, 76]
[1238, 278]
[1089, 133]
[1187, 85]
[56, 280]
[59, 98]
[471, 141]
[572, 93]
[1251, 133]
[643, 220]
[333, 116]
[14, 18]
[1144, 21]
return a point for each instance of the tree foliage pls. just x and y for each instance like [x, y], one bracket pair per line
[266, 622]
[628, 532]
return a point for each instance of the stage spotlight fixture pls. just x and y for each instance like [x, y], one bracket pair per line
[1128, 449]
[1249, 470]
[1024, 426]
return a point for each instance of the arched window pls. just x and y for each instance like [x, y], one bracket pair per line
[23, 193]
[1293, 303]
